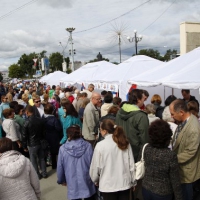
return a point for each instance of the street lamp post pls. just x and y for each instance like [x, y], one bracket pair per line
[64, 65]
[135, 39]
[70, 30]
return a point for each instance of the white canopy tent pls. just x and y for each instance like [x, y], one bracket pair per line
[157, 75]
[180, 73]
[89, 73]
[121, 73]
[54, 78]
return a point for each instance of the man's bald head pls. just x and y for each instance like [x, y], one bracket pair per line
[96, 97]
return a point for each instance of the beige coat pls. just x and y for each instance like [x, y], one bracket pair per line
[187, 147]
[90, 120]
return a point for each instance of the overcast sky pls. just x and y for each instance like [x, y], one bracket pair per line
[35, 25]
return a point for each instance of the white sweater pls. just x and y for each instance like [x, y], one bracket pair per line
[10, 129]
[18, 178]
[111, 167]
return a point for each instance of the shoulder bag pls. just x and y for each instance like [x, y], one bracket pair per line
[139, 166]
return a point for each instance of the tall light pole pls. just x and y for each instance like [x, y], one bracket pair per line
[135, 39]
[70, 30]
[64, 65]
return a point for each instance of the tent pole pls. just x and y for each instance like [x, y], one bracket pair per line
[164, 92]
[172, 91]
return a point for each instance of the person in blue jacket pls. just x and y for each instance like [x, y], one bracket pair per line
[68, 117]
[73, 166]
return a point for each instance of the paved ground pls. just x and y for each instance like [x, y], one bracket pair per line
[50, 189]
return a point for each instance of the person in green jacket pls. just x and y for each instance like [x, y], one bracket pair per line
[134, 121]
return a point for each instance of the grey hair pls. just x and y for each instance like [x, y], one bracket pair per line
[166, 115]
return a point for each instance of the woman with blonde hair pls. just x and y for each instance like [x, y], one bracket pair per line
[156, 101]
[114, 182]
[150, 110]
[193, 108]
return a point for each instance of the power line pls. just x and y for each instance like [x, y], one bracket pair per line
[158, 16]
[112, 19]
[16, 9]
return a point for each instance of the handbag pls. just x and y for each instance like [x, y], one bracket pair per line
[139, 166]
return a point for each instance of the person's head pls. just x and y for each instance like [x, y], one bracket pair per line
[113, 110]
[193, 108]
[36, 100]
[103, 93]
[159, 134]
[53, 87]
[67, 94]
[4, 99]
[8, 113]
[96, 98]
[109, 127]
[70, 110]
[186, 94]
[5, 145]
[77, 91]
[136, 97]
[91, 87]
[84, 95]
[48, 109]
[64, 101]
[19, 109]
[150, 109]
[58, 87]
[166, 115]
[46, 97]
[85, 102]
[179, 110]
[146, 94]
[108, 98]
[29, 110]
[74, 132]
[169, 100]
[25, 97]
[117, 101]
[156, 99]
[12, 104]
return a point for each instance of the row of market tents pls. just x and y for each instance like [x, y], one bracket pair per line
[181, 73]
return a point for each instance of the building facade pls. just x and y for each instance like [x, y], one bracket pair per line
[189, 36]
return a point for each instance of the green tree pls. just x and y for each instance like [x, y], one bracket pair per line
[170, 54]
[67, 60]
[56, 60]
[1, 77]
[15, 71]
[151, 53]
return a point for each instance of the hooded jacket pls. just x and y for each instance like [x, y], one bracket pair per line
[135, 124]
[18, 178]
[73, 168]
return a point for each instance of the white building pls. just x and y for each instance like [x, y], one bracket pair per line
[5, 75]
[189, 36]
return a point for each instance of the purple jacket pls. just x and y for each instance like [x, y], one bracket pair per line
[73, 168]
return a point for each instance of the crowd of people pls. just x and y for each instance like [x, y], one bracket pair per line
[93, 140]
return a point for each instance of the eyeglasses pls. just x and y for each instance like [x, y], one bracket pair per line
[37, 101]
[5, 98]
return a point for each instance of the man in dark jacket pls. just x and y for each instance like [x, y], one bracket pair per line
[134, 121]
[32, 135]
[187, 97]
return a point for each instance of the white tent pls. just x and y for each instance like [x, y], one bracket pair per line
[54, 78]
[132, 67]
[162, 73]
[180, 73]
[88, 73]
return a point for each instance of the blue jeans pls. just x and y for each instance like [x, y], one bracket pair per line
[187, 190]
[148, 195]
[37, 153]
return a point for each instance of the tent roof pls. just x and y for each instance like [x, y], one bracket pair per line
[131, 67]
[160, 73]
[89, 72]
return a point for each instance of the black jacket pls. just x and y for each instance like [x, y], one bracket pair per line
[192, 98]
[33, 131]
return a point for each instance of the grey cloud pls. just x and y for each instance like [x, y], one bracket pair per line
[58, 4]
